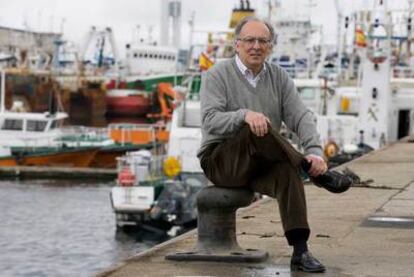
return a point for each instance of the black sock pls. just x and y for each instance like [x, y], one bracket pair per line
[300, 247]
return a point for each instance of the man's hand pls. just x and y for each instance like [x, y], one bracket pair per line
[258, 122]
[318, 165]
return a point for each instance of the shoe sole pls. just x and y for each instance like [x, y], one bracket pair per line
[301, 268]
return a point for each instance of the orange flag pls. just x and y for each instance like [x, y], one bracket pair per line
[205, 62]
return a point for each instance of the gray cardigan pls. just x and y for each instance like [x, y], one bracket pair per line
[226, 95]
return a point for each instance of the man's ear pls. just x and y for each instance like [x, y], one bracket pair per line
[235, 46]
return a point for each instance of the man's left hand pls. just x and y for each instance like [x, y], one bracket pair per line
[318, 165]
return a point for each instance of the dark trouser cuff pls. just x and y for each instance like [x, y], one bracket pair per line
[295, 235]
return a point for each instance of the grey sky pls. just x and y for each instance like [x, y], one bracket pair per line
[123, 16]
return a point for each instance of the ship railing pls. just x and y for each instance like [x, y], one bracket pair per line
[192, 82]
[146, 169]
[402, 72]
[30, 144]
[131, 133]
[298, 72]
[82, 136]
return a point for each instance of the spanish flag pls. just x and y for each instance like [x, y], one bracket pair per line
[205, 62]
[360, 39]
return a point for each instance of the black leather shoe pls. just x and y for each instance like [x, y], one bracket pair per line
[307, 263]
[332, 181]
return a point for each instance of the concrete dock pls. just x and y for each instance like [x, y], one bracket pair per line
[367, 231]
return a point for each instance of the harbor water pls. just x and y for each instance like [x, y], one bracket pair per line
[62, 228]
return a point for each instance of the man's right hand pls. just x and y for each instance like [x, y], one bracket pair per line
[258, 122]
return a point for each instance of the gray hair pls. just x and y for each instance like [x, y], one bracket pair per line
[247, 19]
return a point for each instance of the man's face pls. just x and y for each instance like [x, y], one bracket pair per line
[253, 44]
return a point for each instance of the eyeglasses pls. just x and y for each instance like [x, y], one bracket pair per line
[250, 41]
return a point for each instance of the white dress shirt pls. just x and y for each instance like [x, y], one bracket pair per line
[248, 74]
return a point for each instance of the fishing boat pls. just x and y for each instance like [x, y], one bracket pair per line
[146, 65]
[295, 31]
[115, 140]
[158, 191]
[127, 102]
[138, 97]
[32, 138]
[379, 108]
[50, 156]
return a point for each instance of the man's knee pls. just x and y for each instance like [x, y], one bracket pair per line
[277, 179]
[226, 180]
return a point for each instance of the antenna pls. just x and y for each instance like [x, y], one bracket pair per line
[39, 20]
[62, 25]
[136, 33]
[338, 37]
[150, 29]
[191, 25]
[52, 18]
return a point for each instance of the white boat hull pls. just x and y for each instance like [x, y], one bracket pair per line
[136, 199]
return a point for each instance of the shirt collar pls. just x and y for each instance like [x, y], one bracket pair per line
[244, 70]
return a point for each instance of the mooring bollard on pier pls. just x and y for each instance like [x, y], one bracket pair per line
[216, 226]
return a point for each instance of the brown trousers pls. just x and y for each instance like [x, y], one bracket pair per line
[268, 165]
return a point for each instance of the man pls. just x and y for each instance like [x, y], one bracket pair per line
[243, 103]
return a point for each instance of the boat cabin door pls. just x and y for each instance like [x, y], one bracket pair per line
[404, 123]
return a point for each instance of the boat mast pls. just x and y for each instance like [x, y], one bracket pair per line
[338, 38]
[409, 27]
[3, 91]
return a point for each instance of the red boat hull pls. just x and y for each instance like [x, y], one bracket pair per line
[136, 105]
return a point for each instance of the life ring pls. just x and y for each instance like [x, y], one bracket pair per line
[331, 149]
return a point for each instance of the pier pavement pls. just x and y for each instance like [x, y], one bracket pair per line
[367, 231]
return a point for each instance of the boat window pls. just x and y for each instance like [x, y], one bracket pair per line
[12, 124]
[36, 125]
[135, 55]
[54, 124]
[307, 93]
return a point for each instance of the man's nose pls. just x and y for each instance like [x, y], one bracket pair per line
[256, 43]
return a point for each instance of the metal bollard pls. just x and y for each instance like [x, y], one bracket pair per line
[217, 239]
